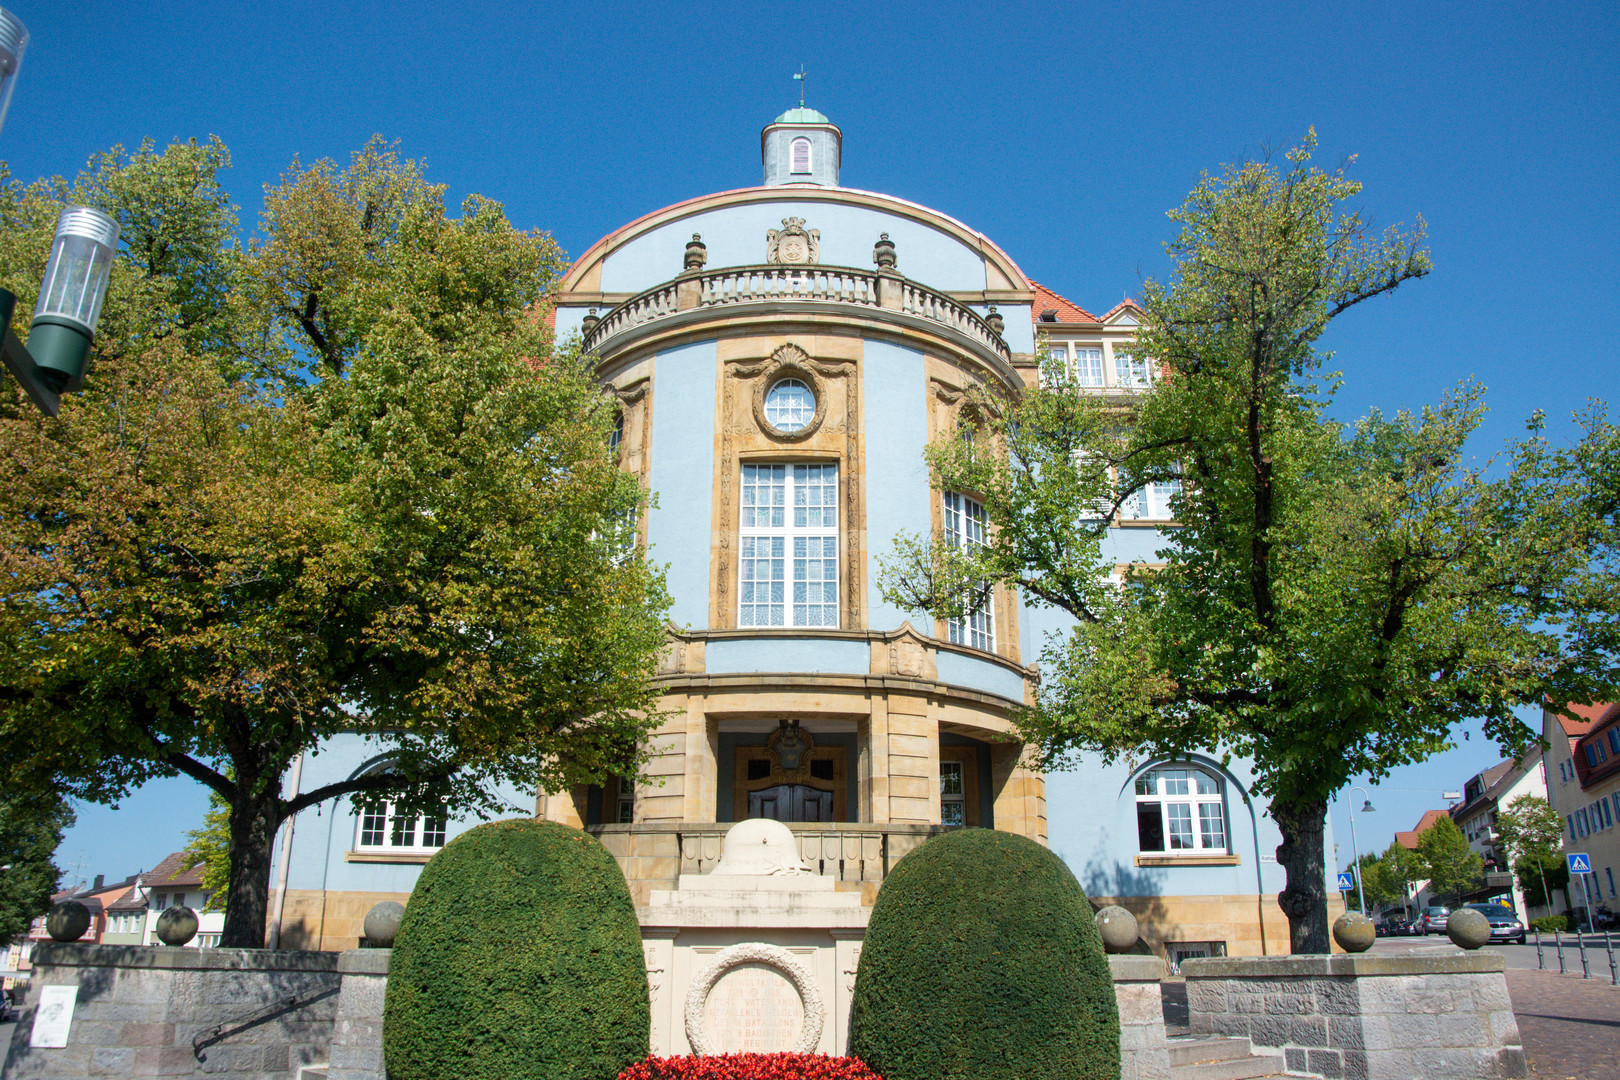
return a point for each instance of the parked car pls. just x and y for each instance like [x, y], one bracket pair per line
[1434, 919]
[1505, 925]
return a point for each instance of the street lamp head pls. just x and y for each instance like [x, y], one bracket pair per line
[70, 299]
[1367, 806]
[13, 40]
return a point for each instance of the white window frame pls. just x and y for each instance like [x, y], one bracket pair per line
[389, 831]
[1150, 502]
[1091, 378]
[966, 526]
[624, 808]
[796, 547]
[798, 145]
[1174, 786]
[1130, 371]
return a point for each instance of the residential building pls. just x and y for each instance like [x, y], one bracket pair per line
[781, 355]
[1583, 782]
[1485, 795]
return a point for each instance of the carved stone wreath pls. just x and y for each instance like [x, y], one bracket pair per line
[789, 361]
[754, 952]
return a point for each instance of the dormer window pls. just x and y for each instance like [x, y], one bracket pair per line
[800, 151]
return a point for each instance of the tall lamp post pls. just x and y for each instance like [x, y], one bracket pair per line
[1355, 849]
[52, 363]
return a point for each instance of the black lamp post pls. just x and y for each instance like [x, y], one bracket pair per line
[52, 363]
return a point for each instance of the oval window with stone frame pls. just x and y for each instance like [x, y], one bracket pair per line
[790, 404]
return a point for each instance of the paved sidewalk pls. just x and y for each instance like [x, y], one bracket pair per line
[1570, 1026]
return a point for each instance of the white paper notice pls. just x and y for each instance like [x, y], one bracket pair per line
[54, 1015]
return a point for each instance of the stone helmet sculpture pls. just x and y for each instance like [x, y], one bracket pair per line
[759, 846]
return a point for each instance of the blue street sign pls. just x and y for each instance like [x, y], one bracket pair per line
[1579, 863]
[1346, 882]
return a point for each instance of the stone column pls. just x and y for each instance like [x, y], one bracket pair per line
[357, 1047]
[1143, 1052]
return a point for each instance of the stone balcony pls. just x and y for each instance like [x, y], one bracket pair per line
[858, 855]
[807, 289]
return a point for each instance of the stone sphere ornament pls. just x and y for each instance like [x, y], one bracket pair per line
[67, 921]
[176, 926]
[1117, 927]
[1468, 929]
[1354, 932]
[382, 923]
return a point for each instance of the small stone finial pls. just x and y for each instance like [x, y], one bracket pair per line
[588, 323]
[883, 252]
[1117, 928]
[697, 253]
[1354, 932]
[382, 923]
[176, 926]
[1468, 929]
[997, 323]
[67, 921]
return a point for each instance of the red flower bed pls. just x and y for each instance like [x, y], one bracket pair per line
[750, 1067]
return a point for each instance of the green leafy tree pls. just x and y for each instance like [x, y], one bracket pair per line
[1388, 878]
[1451, 865]
[210, 847]
[338, 478]
[1531, 837]
[1334, 599]
[31, 827]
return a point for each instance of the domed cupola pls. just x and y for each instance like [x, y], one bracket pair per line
[801, 147]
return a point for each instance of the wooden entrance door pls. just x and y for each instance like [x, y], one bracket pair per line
[791, 802]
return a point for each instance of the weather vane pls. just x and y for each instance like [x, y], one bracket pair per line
[800, 77]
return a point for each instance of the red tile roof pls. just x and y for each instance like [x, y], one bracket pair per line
[1067, 310]
[1596, 734]
[1585, 717]
[1126, 304]
[1409, 840]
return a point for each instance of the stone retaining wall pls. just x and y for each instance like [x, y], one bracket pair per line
[1445, 1017]
[249, 1014]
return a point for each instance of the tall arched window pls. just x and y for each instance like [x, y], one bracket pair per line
[1181, 808]
[800, 151]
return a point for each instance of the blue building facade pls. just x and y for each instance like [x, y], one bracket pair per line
[782, 354]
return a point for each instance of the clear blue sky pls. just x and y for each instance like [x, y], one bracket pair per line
[1063, 132]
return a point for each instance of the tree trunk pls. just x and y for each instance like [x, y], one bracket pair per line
[254, 819]
[1304, 899]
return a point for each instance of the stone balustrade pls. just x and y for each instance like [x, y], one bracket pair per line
[654, 854]
[738, 286]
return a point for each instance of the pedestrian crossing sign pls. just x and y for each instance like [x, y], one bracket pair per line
[1346, 882]
[1579, 863]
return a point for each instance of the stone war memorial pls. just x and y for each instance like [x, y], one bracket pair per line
[781, 355]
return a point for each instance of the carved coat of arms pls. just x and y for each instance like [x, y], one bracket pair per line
[793, 243]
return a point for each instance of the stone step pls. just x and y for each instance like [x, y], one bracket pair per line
[1216, 1058]
[1189, 1051]
[1247, 1068]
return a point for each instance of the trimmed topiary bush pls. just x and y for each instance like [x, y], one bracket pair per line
[519, 957]
[982, 962]
[1548, 924]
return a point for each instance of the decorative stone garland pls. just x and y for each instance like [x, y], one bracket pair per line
[754, 952]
